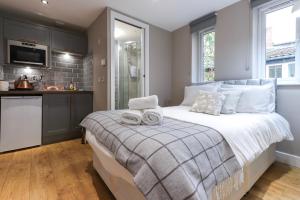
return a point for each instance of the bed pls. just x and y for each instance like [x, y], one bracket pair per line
[121, 184]
[252, 140]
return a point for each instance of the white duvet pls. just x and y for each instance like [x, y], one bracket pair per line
[247, 134]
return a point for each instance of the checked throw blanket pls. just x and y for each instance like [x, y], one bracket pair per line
[175, 160]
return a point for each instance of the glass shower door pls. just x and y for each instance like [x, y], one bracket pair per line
[129, 67]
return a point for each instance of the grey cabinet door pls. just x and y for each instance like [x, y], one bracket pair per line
[22, 31]
[70, 42]
[56, 117]
[62, 114]
[1, 42]
[81, 106]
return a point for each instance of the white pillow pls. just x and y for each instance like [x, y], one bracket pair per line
[191, 92]
[255, 98]
[231, 101]
[208, 102]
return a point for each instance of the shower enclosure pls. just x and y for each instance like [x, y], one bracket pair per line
[129, 60]
[129, 63]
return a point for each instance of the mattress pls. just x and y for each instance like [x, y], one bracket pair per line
[248, 134]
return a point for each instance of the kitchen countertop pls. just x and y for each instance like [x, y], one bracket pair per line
[38, 92]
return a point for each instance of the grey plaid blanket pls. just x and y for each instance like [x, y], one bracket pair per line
[175, 160]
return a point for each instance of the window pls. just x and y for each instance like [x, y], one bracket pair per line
[275, 41]
[275, 71]
[203, 55]
[208, 55]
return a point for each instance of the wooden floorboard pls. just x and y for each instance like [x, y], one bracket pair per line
[64, 171]
[279, 182]
[17, 182]
[42, 182]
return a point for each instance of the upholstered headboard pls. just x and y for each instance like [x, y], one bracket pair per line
[250, 82]
[245, 82]
[255, 82]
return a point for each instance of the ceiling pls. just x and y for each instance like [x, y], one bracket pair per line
[75, 12]
[167, 14]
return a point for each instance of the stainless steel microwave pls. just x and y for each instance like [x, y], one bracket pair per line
[26, 53]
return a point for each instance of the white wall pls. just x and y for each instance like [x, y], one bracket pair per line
[289, 107]
[181, 71]
[232, 42]
[97, 46]
[160, 63]
[232, 58]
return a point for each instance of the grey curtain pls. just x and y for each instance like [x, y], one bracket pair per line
[255, 3]
[203, 22]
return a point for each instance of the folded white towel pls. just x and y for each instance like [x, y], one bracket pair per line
[132, 117]
[153, 116]
[142, 103]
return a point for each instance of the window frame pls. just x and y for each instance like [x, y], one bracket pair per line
[288, 67]
[198, 72]
[259, 40]
[275, 67]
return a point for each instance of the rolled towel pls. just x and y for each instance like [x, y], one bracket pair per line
[143, 103]
[132, 117]
[153, 116]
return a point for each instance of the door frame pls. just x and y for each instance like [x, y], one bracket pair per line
[145, 59]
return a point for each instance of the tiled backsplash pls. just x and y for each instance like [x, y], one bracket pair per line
[88, 72]
[64, 69]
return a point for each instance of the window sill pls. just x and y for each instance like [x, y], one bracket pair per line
[288, 83]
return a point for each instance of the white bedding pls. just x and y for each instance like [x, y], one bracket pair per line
[247, 134]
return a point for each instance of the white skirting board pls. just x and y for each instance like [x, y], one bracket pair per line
[288, 159]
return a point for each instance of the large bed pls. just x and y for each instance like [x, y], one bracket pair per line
[121, 184]
[252, 138]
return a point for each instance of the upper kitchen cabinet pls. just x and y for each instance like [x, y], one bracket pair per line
[68, 41]
[15, 30]
[1, 42]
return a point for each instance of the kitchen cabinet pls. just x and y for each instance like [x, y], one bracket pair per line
[62, 114]
[56, 117]
[81, 106]
[15, 30]
[68, 41]
[57, 39]
[1, 42]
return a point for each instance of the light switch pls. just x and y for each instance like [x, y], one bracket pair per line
[102, 79]
[103, 62]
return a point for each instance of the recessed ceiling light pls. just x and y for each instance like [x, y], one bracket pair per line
[45, 2]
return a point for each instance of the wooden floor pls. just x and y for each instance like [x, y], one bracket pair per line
[64, 171]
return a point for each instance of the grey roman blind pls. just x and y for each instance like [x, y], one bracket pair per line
[203, 22]
[255, 3]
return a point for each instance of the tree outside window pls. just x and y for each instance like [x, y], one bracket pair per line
[209, 55]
